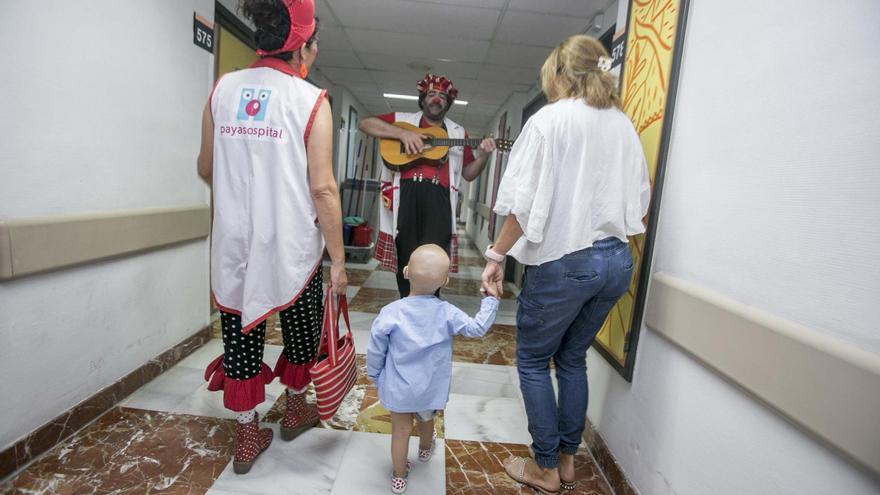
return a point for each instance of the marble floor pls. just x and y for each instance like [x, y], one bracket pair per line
[174, 436]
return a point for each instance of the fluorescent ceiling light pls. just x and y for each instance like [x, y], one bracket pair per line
[400, 97]
[410, 97]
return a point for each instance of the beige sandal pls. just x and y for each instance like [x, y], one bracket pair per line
[516, 469]
[565, 486]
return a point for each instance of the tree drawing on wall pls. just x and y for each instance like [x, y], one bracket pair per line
[646, 73]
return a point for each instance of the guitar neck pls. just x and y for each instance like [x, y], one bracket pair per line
[471, 142]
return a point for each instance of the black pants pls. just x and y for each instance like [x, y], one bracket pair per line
[300, 328]
[424, 217]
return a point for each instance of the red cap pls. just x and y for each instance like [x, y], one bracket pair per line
[302, 26]
[438, 83]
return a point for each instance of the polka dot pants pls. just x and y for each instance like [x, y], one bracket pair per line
[300, 328]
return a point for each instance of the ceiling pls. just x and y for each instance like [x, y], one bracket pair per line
[489, 48]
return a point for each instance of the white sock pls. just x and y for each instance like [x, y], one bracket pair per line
[246, 417]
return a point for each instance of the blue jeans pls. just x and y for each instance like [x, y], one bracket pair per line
[562, 306]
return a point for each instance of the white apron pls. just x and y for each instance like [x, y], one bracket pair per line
[265, 241]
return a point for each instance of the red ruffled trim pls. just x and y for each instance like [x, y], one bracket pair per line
[238, 395]
[245, 330]
[295, 376]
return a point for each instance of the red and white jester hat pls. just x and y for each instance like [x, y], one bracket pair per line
[438, 83]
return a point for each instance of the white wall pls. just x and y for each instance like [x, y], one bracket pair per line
[343, 101]
[679, 429]
[513, 107]
[773, 199]
[103, 110]
[770, 198]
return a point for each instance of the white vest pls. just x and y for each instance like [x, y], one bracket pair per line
[265, 242]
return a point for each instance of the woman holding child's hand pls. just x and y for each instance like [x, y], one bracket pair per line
[576, 187]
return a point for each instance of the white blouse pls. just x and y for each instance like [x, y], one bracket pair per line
[576, 174]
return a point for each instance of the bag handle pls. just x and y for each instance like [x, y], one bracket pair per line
[326, 322]
[330, 325]
[342, 302]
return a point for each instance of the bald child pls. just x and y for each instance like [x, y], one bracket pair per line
[409, 356]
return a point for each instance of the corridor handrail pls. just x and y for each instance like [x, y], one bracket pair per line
[40, 244]
[822, 384]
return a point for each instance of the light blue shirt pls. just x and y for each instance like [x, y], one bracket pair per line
[410, 352]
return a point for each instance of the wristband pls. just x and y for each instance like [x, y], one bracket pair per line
[493, 256]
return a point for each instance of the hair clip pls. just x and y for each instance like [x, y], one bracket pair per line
[604, 64]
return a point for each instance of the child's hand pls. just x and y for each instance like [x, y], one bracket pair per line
[490, 293]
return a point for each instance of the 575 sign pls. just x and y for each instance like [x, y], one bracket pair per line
[618, 50]
[203, 33]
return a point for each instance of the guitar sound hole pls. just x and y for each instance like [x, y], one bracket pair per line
[403, 148]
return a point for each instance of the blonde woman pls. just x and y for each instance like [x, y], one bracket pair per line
[575, 189]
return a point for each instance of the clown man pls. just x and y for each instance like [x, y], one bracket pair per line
[419, 202]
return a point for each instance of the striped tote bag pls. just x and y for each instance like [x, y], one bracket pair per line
[335, 369]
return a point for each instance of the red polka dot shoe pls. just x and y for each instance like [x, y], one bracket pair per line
[250, 441]
[299, 416]
[398, 483]
[425, 454]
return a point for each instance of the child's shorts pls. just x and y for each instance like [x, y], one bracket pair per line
[425, 416]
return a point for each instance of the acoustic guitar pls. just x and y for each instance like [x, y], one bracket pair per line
[436, 147]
